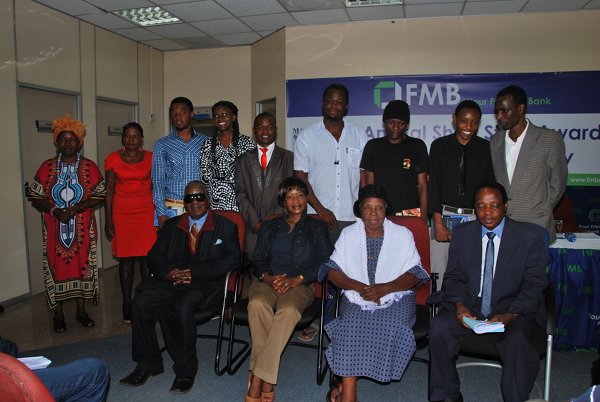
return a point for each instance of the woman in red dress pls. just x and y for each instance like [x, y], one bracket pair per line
[65, 190]
[129, 208]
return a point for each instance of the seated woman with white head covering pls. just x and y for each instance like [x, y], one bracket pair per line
[376, 264]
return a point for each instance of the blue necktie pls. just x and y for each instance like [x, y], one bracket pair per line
[488, 276]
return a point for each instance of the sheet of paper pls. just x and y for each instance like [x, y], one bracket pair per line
[483, 327]
[35, 362]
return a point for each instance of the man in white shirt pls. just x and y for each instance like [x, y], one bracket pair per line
[327, 157]
[529, 161]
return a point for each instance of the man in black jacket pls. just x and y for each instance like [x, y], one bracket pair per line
[189, 261]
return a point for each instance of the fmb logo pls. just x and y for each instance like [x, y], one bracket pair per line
[383, 85]
[434, 93]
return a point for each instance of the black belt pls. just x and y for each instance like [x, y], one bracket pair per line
[465, 211]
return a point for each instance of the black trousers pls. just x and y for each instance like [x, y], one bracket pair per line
[520, 361]
[173, 306]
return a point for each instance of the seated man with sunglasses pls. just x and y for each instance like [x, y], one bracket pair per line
[188, 262]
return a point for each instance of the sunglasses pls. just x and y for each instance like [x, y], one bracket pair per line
[189, 198]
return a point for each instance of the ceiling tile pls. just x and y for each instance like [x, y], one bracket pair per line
[162, 2]
[264, 34]
[198, 11]
[553, 5]
[321, 16]
[138, 34]
[375, 13]
[239, 39]
[593, 5]
[71, 7]
[269, 21]
[107, 21]
[222, 27]
[251, 7]
[164, 44]
[113, 5]
[175, 31]
[493, 7]
[413, 2]
[204, 42]
[311, 5]
[433, 10]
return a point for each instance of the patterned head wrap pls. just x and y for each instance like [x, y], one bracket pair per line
[68, 124]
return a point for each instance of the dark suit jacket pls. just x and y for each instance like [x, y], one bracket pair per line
[256, 191]
[519, 279]
[217, 252]
[539, 179]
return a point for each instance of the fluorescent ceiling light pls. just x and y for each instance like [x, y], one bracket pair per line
[147, 16]
[359, 3]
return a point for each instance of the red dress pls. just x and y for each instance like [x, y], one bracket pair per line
[132, 207]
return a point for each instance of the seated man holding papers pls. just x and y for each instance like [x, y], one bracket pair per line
[496, 272]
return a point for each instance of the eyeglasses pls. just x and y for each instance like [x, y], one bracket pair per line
[189, 198]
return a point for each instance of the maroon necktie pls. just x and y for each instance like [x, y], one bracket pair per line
[193, 238]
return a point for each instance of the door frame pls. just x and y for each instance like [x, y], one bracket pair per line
[25, 203]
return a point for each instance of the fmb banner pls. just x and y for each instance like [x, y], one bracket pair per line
[568, 102]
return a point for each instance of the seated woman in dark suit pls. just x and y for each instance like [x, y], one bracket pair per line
[286, 261]
[376, 264]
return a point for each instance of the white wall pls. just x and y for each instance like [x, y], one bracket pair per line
[44, 48]
[206, 76]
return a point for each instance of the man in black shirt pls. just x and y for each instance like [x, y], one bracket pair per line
[458, 164]
[398, 162]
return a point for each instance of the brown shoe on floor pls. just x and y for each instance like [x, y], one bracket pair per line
[267, 396]
[308, 334]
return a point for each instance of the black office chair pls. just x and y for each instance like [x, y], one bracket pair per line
[239, 316]
[483, 346]
[230, 294]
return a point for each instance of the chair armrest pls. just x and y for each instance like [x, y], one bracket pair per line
[433, 306]
[550, 309]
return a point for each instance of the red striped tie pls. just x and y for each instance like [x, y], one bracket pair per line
[193, 237]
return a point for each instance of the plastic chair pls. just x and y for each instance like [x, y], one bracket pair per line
[19, 384]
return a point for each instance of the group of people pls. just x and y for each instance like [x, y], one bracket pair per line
[316, 214]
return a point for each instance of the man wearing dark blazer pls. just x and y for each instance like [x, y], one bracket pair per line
[189, 261]
[517, 283]
[529, 161]
[256, 185]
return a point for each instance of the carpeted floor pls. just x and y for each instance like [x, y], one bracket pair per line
[570, 375]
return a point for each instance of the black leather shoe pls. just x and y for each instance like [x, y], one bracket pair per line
[181, 385]
[456, 396]
[136, 378]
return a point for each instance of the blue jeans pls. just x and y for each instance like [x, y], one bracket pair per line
[84, 380]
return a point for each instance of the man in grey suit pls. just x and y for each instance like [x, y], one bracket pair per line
[500, 282]
[257, 177]
[529, 161]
